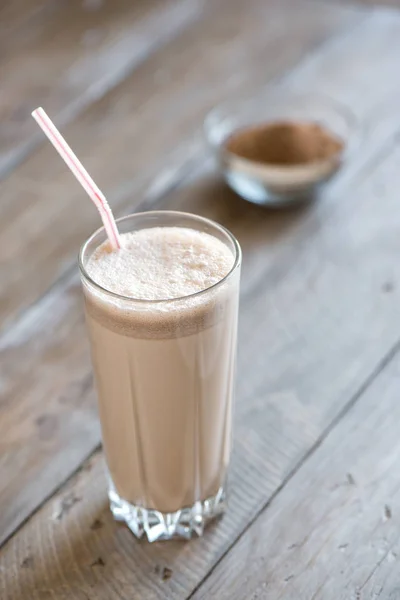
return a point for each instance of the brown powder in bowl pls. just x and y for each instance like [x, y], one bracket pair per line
[284, 143]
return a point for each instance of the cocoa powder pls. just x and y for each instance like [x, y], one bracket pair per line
[285, 143]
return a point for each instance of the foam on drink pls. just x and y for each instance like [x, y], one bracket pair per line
[161, 263]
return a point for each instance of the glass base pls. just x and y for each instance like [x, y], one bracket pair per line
[157, 526]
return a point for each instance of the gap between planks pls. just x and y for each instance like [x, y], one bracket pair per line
[16, 300]
[344, 218]
[131, 42]
[369, 381]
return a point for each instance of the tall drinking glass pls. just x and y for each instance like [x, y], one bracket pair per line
[164, 372]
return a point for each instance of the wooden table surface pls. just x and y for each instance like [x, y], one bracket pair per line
[315, 488]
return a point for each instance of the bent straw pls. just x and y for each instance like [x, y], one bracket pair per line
[81, 174]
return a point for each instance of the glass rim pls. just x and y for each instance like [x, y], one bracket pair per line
[236, 263]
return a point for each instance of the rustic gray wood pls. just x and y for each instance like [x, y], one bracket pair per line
[332, 532]
[285, 405]
[141, 137]
[67, 55]
[48, 400]
[319, 317]
[303, 360]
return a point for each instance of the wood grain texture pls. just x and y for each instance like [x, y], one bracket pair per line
[305, 350]
[47, 398]
[66, 55]
[304, 353]
[372, 3]
[15, 13]
[332, 532]
[139, 138]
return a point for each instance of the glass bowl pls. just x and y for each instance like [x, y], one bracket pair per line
[279, 184]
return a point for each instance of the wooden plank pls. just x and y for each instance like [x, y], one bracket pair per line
[156, 115]
[383, 579]
[351, 250]
[14, 14]
[305, 352]
[332, 532]
[380, 3]
[43, 375]
[68, 54]
[47, 399]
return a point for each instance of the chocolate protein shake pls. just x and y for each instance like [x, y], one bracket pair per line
[162, 318]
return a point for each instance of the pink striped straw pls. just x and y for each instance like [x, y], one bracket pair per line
[81, 174]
